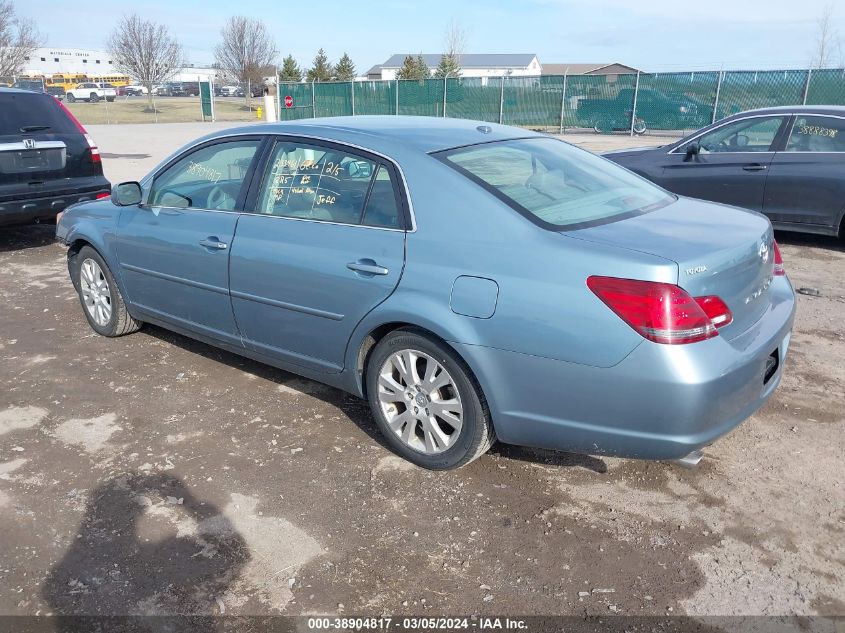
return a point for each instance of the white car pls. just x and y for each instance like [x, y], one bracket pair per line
[228, 91]
[92, 92]
[136, 89]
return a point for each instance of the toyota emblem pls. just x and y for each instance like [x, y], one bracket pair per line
[763, 252]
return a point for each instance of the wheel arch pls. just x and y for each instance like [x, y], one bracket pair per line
[370, 340]
[369, 334]
[76, 241]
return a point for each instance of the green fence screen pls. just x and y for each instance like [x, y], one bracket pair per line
[675, 102]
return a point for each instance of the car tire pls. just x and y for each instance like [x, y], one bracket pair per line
[603, 126]
[102, 302]
[110, 99]
[71, 98]
[429, 440]
[94, 98]
[640, 127]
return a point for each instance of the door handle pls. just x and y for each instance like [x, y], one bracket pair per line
[754, 167]
[213, 243]
[367, 267]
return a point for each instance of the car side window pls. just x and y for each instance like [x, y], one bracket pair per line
[314, 182]
[747, 135]
[383, 209]
[208, 178]
[817, 134]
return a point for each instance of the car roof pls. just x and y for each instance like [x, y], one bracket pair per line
[796, 109]
[426, 134]
[20, 91]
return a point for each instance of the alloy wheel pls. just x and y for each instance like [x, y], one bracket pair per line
[420, 401]
[95, 292]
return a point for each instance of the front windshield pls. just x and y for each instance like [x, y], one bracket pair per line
[560, 185]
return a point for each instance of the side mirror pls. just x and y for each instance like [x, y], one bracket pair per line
[126, 194]
[692, 152]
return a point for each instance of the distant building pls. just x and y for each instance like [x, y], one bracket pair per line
[472, 65]
[588, 69]
[54, 60]
[48, 61]
[202, 73]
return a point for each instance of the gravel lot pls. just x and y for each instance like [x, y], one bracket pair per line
[152, 474]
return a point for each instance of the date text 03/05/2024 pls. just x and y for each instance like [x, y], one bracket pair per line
[416, 624]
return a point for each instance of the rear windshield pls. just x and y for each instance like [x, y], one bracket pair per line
[30, 110]
[555, 184]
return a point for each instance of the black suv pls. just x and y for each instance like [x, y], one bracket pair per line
[47, 159]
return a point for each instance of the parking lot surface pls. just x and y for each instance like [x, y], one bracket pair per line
[152, 474]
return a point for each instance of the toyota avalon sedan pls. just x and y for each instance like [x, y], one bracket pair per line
[473, 282]
[787, 162]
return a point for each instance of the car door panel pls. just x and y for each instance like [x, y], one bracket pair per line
[806, 188]
[729, 164]
[323, 245]
[169, 273]
[295, 293]
[806, 183]
[737, 179]
[174, 249]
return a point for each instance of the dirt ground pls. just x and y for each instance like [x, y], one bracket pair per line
[152, 474]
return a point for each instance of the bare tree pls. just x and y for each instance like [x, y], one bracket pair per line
[454, 46]
[828, 47]
[246, 51]
[18, 38]
[146, 51]
[455, 41]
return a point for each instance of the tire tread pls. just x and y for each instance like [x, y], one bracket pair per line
[485, 435]
[124, 323]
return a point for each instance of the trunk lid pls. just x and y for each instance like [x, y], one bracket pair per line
[719, 250]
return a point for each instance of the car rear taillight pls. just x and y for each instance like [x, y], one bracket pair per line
[95, 152]
[779, 270]
[661, 312]
[103, 194]
[715, 309]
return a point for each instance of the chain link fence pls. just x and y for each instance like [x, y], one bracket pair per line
[633, 103]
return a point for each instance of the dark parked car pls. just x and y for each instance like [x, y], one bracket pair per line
[56, 91]
[191, 88]
[29, 84]
[171, 89]
[787, 162]
[47, 159]
[653, 109]
[255, 90]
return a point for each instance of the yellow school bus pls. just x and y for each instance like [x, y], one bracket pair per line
[69, 81]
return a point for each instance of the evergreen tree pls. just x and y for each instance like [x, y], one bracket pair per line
[290, 70]
[423, 71]
[448, 67]
[321, 70]
[414, 68]
[408, 70]
[345, 69]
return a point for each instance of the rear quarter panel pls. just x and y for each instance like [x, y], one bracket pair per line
[543, 308]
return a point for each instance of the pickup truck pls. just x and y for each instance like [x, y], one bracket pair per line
[654, 109]
[92, 93]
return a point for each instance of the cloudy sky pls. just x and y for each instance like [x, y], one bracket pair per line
[649, 34]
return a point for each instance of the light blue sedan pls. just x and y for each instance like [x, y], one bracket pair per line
[471, 281]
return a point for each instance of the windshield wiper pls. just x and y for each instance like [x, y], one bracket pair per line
[34, 128]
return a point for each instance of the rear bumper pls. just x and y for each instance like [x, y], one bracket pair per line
[34, 208]
[660, 402]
